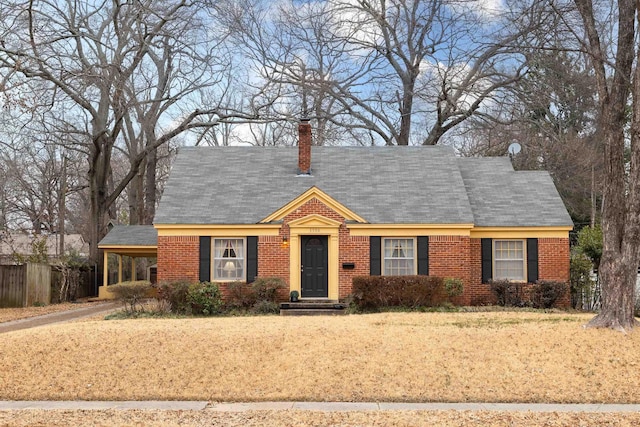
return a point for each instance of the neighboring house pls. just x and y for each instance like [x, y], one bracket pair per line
[15, 246]
[319, 216]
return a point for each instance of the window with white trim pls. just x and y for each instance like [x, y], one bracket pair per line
[398, 256]
[228, 259]
[509, 260]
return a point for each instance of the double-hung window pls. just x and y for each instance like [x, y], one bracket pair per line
[509, 260]
[229, 259]
[399, 257]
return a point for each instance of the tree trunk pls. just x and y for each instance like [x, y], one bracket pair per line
[62, 204]
[150, 188]
[406, 109]
[136, 198]
[621, 193]
[619, 275]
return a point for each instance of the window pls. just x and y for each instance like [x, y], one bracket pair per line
[509, 260]
[398, 257]
[228, 259]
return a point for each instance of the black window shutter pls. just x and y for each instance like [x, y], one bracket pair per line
[375, 253]
[252, 258]
[205, 259]
[423, 255]
[487, 260]
[532, 260]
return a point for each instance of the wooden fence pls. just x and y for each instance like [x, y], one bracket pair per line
[25, 285]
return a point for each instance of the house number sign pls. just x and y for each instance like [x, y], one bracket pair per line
[314, 230]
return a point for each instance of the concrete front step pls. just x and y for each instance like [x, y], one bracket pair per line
[312, 307]
[312, 312]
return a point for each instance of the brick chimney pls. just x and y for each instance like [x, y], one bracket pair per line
[304, 147]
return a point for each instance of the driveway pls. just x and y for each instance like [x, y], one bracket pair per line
[60, 317]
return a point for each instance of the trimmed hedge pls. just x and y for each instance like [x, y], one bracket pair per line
[248, 295]
[508, 293]
[373, 292]
[542, 294]
[545, 293]
[199, 298]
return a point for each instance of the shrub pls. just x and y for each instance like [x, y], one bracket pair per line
[246, 296]
[266, 288]
[131, 293]
[373, 292]
[507, 293]
[175, 293]
[582, 285]
[453, 287]
[240, 295]
[545, 293]
[265, 307]
[204, 298]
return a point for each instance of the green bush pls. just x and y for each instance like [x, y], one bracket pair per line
[204, 298]
[175, 293]
[582, 286]
[453, 287]
[374, 292]
[131, 294]
[545, 293]
[508, 293]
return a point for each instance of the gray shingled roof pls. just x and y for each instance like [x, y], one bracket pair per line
[131, 235]
[500, 196]
[384, 185]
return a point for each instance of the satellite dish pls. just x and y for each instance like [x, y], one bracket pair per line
[514, 148]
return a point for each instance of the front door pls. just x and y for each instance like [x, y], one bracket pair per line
[314, 260]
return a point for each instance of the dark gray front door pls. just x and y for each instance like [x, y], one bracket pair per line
[315, 282]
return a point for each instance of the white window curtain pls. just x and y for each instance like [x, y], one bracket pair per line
[399, 257]
[228, 259]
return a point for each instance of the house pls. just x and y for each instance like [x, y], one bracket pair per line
[319, 216]
[15, 247]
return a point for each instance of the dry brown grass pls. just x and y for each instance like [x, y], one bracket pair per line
[8, 314]
[493, 357]
[307, 419]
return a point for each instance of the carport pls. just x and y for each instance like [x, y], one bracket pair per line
[133, 241]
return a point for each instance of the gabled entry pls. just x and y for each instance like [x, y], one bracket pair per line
[302, 231]
[314, 267]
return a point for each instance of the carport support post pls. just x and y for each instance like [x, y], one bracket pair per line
[119, 268]
[105, 270]
[133, 269]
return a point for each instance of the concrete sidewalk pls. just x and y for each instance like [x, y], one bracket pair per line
[156, 405]
[61, 316]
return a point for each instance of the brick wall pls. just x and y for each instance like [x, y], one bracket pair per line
[178, 258]
[273, 259]
[553, 264]
[449, 256]
[353, 249]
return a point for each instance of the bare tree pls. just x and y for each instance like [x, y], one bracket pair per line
[114, 71]
[618, 80]
[377, 66]
[551, 114]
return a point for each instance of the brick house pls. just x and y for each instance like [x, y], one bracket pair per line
[318, 216]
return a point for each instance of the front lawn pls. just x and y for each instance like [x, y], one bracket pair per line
[489, 357]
